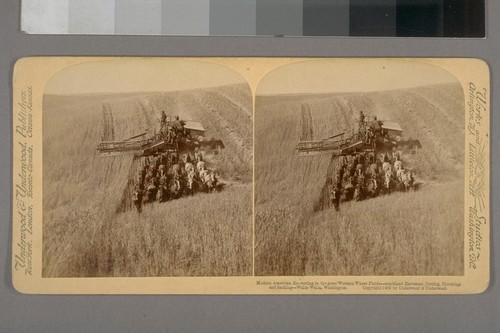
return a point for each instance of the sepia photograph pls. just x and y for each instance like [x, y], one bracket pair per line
[359, 170]
[251, 176]
[147, 170]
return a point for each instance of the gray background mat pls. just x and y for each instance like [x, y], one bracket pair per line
[23, 313]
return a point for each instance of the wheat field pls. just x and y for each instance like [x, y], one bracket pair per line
[417, 233]
[83, 233]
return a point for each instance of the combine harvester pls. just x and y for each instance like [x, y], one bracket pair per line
[384, 136]
[168, 162]
[365, 164]
[191, 140]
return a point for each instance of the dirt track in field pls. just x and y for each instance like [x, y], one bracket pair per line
[126, 203]
[307, 122]
[109, 129]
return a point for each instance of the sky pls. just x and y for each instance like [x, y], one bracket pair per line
[309, 76]
[137, 75]
[344, 75]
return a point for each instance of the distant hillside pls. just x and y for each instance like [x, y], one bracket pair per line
[288, 232]
[82, 233]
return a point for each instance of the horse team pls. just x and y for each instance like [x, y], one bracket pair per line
[360, 176]
[165, 177]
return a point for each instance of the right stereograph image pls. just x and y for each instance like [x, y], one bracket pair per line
[359, 170]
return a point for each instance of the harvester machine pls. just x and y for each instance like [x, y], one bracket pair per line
[372, 136]
[189, 138]
[336, 145]
[137, 145]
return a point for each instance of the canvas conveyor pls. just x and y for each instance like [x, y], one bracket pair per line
[317, 147]
[334, 146]
[337, 148]
[135, 147]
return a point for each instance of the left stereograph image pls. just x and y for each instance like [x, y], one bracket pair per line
[147, 170]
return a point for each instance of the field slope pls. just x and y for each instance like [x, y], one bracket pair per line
[84, 233]
[418, 233]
